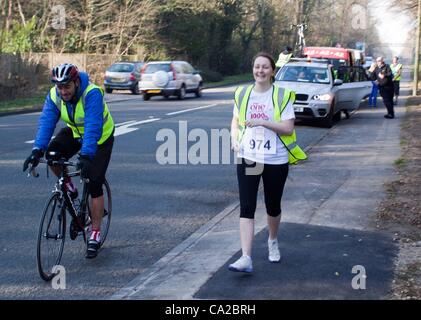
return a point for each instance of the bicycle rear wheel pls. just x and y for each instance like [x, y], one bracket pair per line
[106, 218]
[51, 236]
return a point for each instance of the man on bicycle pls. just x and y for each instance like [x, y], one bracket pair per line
[90, 129]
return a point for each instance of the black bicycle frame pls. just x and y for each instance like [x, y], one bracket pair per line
[78, 215]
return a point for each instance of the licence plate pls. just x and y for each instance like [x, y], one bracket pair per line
[298, 109]
[118, 79]
[154, 91]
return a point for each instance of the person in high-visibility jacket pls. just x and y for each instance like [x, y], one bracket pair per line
[263, 135]
[284, 57]
[396, 68]
[90, 129]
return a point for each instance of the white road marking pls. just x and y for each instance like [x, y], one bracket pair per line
[187, 110]
[123, 123]
[123, 129]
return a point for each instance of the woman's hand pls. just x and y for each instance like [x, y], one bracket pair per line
[254, 123]
[235, 145]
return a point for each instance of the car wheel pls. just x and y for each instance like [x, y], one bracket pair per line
[146, 96]
[327, 122]
[337, 116]
[198, 91]
[135, 89]
[108, 90]
[181, 93]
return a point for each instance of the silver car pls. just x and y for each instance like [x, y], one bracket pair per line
[123, 76]
[167, 78]
[319, 96]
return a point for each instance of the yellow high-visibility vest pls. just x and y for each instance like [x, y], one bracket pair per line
[78, 124]
[395, 70]
[241, 98]
[283, 59]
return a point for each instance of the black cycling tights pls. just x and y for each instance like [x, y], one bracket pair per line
[274, 177]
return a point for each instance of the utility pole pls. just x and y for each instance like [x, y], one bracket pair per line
[297, 18]
[299, 11]
[417, 51]
[262, 24]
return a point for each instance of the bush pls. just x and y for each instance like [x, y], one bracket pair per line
[211, 76]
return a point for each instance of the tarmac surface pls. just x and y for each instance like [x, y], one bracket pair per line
[330, 245]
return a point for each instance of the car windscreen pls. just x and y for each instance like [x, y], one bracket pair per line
[121, 67]
[303, 74]
[154, 67]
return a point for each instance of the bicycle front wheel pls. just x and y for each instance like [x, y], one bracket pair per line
[51, 236]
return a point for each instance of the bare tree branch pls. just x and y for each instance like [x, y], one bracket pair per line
[21, 13]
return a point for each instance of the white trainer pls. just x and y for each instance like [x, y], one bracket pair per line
[244, 264]
[274, 254]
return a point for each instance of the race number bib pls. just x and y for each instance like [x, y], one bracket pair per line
[259, 141]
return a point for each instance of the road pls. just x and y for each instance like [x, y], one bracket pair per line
[155, 206]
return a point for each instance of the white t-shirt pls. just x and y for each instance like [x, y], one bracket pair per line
[260, 144]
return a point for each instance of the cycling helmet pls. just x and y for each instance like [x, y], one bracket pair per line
[64, 73]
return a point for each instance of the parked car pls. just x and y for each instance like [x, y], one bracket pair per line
[123, 75]
[319, 96]
[167, 78]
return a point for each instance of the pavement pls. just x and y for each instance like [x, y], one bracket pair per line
[331, 247]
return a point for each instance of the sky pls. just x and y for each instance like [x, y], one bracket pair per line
[394, 27]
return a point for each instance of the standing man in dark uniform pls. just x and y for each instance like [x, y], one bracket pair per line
[381, 73]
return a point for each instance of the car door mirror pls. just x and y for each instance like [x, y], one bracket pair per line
[196, 71]
[337, 82]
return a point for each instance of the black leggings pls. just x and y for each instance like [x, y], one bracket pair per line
[274, 177]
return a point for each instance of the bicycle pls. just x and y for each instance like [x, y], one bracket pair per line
[52, 228]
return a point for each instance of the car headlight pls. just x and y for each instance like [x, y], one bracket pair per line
[322, 97]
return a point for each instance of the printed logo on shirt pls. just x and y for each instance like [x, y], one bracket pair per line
[258, 111]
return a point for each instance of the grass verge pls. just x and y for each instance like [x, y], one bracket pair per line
[231, 80]
[21, 104]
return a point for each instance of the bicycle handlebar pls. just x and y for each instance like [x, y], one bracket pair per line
[61, 162]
